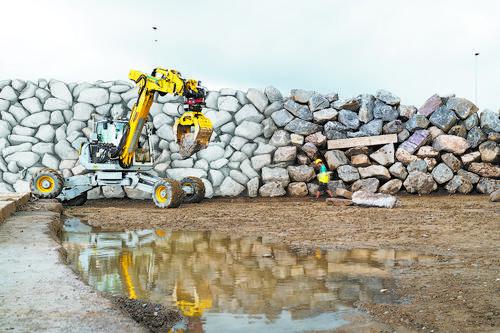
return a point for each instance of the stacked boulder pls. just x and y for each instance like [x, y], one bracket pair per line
[263, 143]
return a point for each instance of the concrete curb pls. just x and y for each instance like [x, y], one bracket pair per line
[9, 203]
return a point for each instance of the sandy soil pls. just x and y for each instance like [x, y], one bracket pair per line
[458, 292]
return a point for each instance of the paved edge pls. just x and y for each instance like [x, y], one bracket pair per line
[11, 202]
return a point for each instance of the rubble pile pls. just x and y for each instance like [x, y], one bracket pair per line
[263, 143]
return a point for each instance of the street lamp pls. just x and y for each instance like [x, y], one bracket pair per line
[476, 54]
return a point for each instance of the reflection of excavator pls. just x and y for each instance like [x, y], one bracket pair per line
[190, 303]
[116, 155]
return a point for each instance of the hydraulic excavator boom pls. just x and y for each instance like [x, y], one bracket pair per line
[193, 130]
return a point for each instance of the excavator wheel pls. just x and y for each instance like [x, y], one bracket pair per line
[167, 193]
[46, 183]
[76, 201]
[198, 189]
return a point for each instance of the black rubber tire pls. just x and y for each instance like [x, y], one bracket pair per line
[76, 201]
[174, 195]
[58, 183]
[198, 189]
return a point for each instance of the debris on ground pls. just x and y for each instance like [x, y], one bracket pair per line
[338, 202]
[362, 198]
[155, 317]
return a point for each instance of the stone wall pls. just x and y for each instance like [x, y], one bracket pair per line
[263, 143]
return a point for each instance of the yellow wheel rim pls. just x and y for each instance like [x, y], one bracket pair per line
[45, 184]
[161, 193]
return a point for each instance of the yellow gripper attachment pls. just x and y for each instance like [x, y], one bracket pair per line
[193, 131]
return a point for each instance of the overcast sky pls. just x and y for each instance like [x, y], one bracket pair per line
[412, 48]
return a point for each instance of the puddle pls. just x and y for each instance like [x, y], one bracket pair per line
[223, 283]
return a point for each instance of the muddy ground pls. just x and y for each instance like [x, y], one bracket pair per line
[458, 292]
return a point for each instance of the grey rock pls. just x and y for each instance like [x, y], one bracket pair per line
[393, 127]
[212, 100]
[417, 165]
[227, 92]
[372, 128]
[335, 130]
[318, 102]
[273, 107]
[15, 139]
[218, 118]
[490, 121]
[117, 111]
[282, 117]
[42, 94]
[257, 98]
[458, 130]
[348, 173]
[36, 119]
[46, 133]
[461, 106]
[416, 122]
[368, 199]
[253, 187]
[487, 185]
[349, 119]
[280, 138]
[427, 151]
[388, 97]
[94, 96]
[302, 127]
[474, 179]
[485, 169]
[247, 169]
[249, 148]
[248, 130]
[317, 139]
[335, 158]
[264, 148]
[230, 127]
[325, 115]
[442, 173]
[260, 161]
[237, 156]
[211, 153]
[296, 139]
[112, 191]
[471, 121]
[180, 173]
[475, 137]
[376, 171]
[391, 187]
[292, 106]
[451, 144]
[279, 175]
[249, 113]
[385, 155]
[237, 142]
[50, 161]
[28, 91]
[21, 130]
[490, 152]
[216, 177]
[82, 111]
[239, 177]
[187, 163]
[272, 189]
[269, 127]
[301, 173]
[443, 118]
[351, 104]
[419, 182]
[18, 112]
[305, 114]
[459, 184]
[301, 96]
[368, 185]
[273, 94]
[366, 108]
[384, 111]
[285, 154]
[311, 151]
[43, 148]
[18, 84]
[17, 148]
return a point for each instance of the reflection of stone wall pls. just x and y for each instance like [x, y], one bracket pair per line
[241, 274]
[260, 138]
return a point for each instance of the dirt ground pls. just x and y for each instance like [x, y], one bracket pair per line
[458, 292]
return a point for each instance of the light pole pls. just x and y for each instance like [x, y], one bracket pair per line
[476, 54]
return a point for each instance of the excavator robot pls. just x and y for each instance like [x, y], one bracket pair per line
[114, 154]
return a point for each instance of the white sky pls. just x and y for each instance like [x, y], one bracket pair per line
[412, 48]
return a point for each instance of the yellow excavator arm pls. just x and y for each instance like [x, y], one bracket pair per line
[193, 130]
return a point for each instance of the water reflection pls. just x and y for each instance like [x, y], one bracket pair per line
[224, 283]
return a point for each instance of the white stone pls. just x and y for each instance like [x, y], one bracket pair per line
[219, 163]
[56, 118]
[22, 186]
[11, 178]
[201, 164]
[78, 169]
[4, 105]
[275, 175]
[216, 177]
[43, 148]
[42, 94]
[173, 109]
[180, 173]
[82, 111]
[134, 193]
[25, 159]
[50, 161]
[4, 128]
[272, 189]
[28, 91]
[165, 132]
[230, 188]
[64, 150]
[228, 103]
[238, 156]
[228, 128]
[74, 125]
[15, 139]
[52, 104]
[264, 148]
[45, 133]
[21, 130]
[94, 96]
[239, 176]
[381, 200]
[8, 117]
[60, 90]
[12, 149]
[253, 187]
[119, 88]
[112, 191]
[248, 130]
[218, 118]
[18, 112]
[250, 113]
[8, 93]
[209, 190]
[37, 119]
[32, 104]
[187, 163]
[212, 99]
